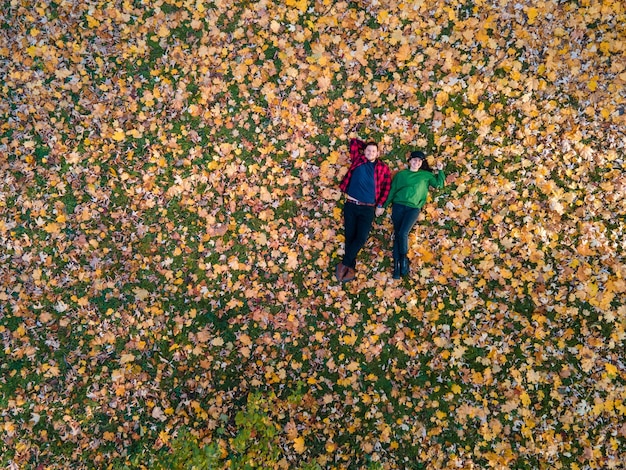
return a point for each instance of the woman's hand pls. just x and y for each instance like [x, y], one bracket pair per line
[380, 211]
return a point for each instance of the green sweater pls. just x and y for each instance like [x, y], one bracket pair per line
[410, 188]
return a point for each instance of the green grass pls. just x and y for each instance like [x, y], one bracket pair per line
[228, 399]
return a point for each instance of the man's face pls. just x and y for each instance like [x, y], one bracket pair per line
[371, 153]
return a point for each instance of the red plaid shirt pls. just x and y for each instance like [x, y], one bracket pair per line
[382, 175]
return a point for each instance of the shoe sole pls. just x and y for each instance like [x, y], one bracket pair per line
[348, 279]
[338, 274]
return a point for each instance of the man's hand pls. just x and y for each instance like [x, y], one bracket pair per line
[380, 211]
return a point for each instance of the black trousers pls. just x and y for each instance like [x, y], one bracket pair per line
[358, 222]
[403, 218]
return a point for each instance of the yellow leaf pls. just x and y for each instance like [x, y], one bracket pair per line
[301, 5]
[404, 53]
[194, 110]
[127, 358]
[92, 22]
[298, 444]
[610, 369]
[53, 371]
[164, 31]
[605, 47]
[532, 14]
[348, 340]
[425, 254]
[119, 135]
[525, 398]
[456, 389]
[441, 99]
[592, 84]
[52, 228]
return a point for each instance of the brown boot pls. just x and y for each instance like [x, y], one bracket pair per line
[350, 274]
[340, 271]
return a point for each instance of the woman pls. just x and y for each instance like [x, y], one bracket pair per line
[366, 186]
[409, 191]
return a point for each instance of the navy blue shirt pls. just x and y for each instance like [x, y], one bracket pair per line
[362, 186]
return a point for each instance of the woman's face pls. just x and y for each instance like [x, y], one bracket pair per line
[415, 163]
[371, 153]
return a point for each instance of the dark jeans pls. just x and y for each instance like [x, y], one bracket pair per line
[358, 222]
[403, 218]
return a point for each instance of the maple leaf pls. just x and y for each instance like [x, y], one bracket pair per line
[126, 358]
[404, 53]
[119, 135]
[141, 294]
[531, 13]
[292, 261]
[300, 5]
[157, 413]
[299, 445]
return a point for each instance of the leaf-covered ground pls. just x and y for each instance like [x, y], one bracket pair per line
[170, 220]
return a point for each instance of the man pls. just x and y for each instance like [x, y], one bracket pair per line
[366, 186]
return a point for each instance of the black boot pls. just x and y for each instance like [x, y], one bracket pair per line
[396, 268]
[404, 266]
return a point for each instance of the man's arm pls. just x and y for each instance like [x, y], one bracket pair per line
[384, 185]
[357, 147]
